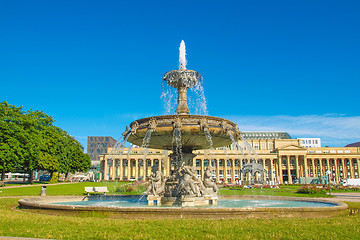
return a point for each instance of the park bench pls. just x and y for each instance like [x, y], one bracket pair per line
[96, 190]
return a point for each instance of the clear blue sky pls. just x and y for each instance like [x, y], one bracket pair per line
[95, 66]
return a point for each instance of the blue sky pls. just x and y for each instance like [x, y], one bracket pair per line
[95, 66]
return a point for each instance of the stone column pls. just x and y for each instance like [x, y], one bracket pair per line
[225, 171]
[331, 167]
[121, 172]
[352, 175]
[168, 166]
[136, 169]
[280, 177]
[217, 171]
[313, 167]
[106, 169]
[320, 167]
[272, 170]
[297, 166]
[344, 168]
[233, 171]
[160, 165]
[240, 167]
[202, 168]
[113, 170]
[264, 173]
[129, 169]
[288, 169]
[118, 168]
[358, 167]
[305, 167]
[144, 169]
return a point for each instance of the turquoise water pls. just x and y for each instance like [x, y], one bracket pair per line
[227, 203]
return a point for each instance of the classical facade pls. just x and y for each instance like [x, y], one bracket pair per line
[285, 160]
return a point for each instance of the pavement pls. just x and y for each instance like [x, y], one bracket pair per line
[347, 196]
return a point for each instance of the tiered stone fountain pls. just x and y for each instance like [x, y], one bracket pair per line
[182, 133]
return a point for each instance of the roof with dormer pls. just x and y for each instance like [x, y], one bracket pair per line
[266, 135]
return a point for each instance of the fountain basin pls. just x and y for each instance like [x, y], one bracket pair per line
[63, 204]
[192, 127]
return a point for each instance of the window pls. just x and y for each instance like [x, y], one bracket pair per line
[206, 162]
[198, 163]
[228, 163]
[221, 163]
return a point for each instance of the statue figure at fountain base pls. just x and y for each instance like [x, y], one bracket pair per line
[182, 188]
[157, 184]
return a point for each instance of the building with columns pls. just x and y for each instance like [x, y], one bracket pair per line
[284, 160]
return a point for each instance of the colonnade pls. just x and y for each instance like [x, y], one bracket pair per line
[227, 168]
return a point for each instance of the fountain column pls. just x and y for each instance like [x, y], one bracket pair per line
[351, 168]
[225, 171]
[202, 167]
[128, 169]
[288, 169]
[297, 166]
[159, 161]
[121, 174]
[271, 170]
[280, 169]
[305, 167]
[217, 171]
[233, 171]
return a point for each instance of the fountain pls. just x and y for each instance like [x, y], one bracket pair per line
[182, 134]
[180, 194]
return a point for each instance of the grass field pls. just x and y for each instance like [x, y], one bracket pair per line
[19, 223]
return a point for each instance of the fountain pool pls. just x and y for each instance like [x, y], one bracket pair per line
[227, 207]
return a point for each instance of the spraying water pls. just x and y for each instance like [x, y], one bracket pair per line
[119, 147]
[182, 56]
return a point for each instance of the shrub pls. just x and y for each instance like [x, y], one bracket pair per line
[134, 188]
[310, 190]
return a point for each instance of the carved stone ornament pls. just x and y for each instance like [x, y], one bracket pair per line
[124, 134]
[177, 123]
[225, 126]
[203, 123]
[152, 124]
[134, 127]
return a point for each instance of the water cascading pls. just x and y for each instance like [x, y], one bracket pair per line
[182, 134]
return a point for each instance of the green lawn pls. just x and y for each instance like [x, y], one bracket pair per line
[92, 225]
[61, 189]
[284, 190]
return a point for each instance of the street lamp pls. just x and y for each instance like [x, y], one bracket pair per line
[328, 174]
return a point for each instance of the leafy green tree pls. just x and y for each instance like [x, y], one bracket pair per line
[11, 135]
[30, 141]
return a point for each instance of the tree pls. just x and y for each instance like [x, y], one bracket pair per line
[73, 159]
[11, 135]
[30, 141]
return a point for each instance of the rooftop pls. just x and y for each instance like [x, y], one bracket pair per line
[266, 135]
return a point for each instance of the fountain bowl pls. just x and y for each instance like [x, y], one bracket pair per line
[192, 127]
[57, 205]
